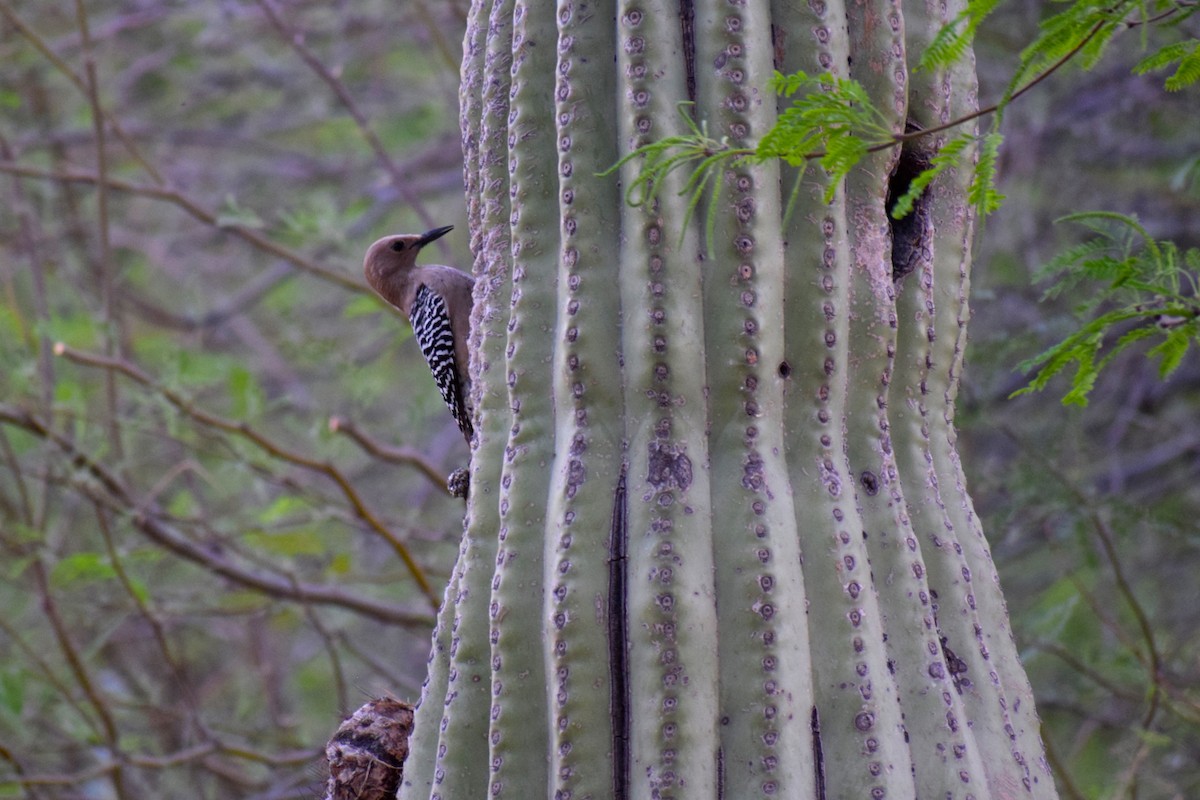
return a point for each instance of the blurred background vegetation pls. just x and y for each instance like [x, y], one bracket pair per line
[219, 501]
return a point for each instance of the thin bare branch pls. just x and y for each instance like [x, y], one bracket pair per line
[1151, 658]
[296, 39]
[407, 456]
[121, 498]
[195, 210]
[79, 671]
[48, 53]
[247, 432]
[104, 264]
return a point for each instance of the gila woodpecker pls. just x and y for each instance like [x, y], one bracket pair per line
[437, 301]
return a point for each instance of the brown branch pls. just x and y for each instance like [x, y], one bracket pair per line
[1151, 659]
[296, 39]
[249, 295]
[105, 264]
[245, 431]
[83, 678]
[151, 618]
[120, 498]
[195, 210]
[48, 53]
[46, 673]
[407, 456]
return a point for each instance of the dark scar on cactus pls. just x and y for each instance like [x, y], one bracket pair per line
[618, 637]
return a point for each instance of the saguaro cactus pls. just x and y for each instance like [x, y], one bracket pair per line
[718, 541]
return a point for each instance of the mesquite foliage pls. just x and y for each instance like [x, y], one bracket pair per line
[718, 542]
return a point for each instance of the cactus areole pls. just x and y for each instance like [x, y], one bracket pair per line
[718, 542]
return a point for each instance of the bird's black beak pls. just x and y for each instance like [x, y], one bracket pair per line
[436, 233]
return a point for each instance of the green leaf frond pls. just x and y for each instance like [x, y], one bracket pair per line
[1117, 228]
[951, 155]
[956, 36]
[1186, 58]
[833, 122]
[1148, 287]
[661, 158]
[1085, 27]
[982, 192]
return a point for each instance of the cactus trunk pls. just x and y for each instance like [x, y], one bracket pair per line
[718, 542]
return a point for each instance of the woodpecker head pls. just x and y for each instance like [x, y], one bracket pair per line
[393, 255]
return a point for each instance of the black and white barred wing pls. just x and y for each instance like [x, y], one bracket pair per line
[431, 325]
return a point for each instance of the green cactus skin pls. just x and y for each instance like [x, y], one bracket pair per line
[470, 117]
[766, 684]
[517, 749]
[422, 744]
[930, 306]
[1000, 700]
[945, 761]
[850, 676]
[738, 454]
[671, 598]
[589, 403]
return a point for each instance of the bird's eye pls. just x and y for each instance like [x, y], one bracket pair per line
[397, 246]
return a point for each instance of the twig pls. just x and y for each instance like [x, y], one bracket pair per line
[196, 211]
[40, 45]
[1077, 664]
[187, 755]
[120, 498]
[335, 660]
[104, 264]
[14, 466]
[1062, 773]
[407, 456]
[380, 667]
[28, 235]
[245, 431]
[46, 673]
[1152, 658]
[152, 619]
[253, 291]
[17, 766]
[296, 40]
[83, 679]
[994, 107]
[439, 40]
